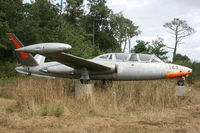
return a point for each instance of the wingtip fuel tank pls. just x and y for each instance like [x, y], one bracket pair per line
[45, 48]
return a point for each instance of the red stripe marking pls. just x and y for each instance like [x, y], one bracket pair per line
[23, 54]
[173, 75]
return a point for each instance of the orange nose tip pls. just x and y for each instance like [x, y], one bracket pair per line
[179, 74]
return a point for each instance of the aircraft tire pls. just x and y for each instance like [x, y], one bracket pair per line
[180, 83]
[84, 81]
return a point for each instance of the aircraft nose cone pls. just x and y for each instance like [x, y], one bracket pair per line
[186, 69]
[190, 70]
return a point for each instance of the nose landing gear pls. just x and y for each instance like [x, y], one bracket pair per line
[181, 81]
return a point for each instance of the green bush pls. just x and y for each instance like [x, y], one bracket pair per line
[8, 70]
[58, 110]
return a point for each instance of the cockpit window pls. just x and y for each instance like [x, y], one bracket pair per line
[145, 57]
[121, 56]
[133, 57]
[155, 61]
[104, 56]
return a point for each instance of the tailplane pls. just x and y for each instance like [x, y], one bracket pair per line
[26, 59]
[39, 58]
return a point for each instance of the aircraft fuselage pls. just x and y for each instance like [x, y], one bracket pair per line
[125, 71]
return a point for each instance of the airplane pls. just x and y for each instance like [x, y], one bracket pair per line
[106, 67]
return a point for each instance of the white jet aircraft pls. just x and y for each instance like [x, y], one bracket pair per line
[106, 67]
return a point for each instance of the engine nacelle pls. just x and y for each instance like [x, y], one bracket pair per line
[43, 48]
[58, 69]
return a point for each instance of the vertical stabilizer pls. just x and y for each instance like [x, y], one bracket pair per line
[26, 59]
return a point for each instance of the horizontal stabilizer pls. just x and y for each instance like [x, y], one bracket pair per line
[39, 58]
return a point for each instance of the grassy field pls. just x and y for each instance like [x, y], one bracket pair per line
[33, 105]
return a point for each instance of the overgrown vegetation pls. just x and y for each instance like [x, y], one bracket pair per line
[55, 97]
[49, 105]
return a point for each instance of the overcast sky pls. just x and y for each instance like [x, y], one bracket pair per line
[150, 15]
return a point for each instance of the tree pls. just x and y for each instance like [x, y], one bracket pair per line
[11, 16]
[99, 12]
[141, 47]
[131, 30]
[41, 22]
[107, 41]
[180, 29]
[157, 48]
[98, 15]
[117, 26]
[123, 29]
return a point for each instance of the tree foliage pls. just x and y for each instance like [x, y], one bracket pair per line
[182, 58]
[74, 10]
[99, 13]
[10, 21]
[156, 47]
[123, 29]
[141, 47]
[42, 21]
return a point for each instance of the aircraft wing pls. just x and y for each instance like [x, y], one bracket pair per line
[76, 62]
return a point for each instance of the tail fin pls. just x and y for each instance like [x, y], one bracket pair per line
[26, 59]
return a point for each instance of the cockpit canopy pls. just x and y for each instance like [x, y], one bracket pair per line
[123, 57]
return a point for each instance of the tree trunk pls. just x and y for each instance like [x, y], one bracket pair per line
[125, 41]
[129, 41]
[61, 6]
[176, 43]
[93, 35]
[124, 46]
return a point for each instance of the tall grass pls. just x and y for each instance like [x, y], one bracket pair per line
[56, 97]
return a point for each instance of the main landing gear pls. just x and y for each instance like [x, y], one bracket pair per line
[181, 81]
[85, 79]
[106, 82]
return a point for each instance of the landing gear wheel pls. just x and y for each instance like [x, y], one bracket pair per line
[106, 83]
[84, 81]
[103, 82]
[180, 83]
